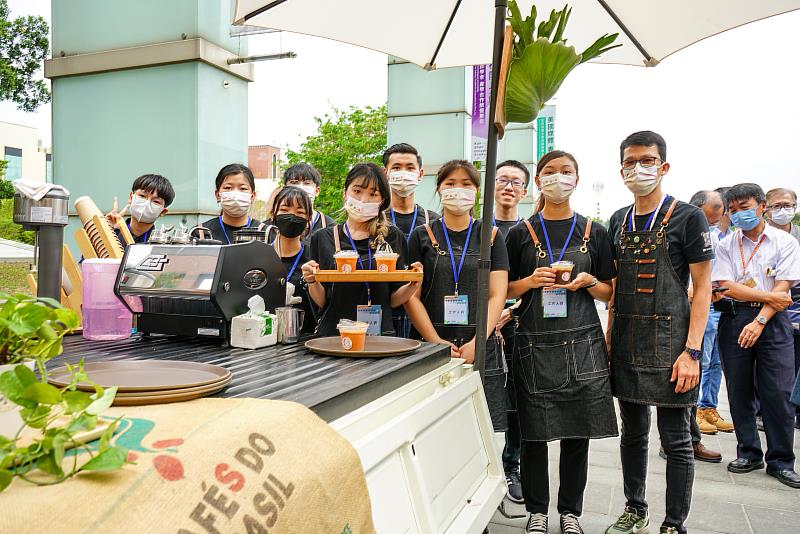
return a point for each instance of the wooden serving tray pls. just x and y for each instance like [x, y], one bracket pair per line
[369, 276]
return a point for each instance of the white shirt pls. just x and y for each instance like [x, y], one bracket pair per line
[778, 258]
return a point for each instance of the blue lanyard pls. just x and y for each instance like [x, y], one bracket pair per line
[222, 226]
[413, 221]
[547, 237]
[457, 273]
[296, 260]
[360, 263]
[145, 236]
[494, 221]
[314, 222]
[649, 225]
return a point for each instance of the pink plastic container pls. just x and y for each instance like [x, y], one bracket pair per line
[104, 315]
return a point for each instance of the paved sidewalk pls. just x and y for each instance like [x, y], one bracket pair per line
[13, 252]
[722, 502]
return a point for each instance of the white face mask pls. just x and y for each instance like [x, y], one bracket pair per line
[782, 216]
[458, 200]
[557, 188]
[235, 203]
[403, 183]
[311, 191]
[642, 180]
[144, 211]
[361, 211]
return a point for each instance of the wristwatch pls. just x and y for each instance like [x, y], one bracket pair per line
[592, 284]
[761, 320]
[696, 354]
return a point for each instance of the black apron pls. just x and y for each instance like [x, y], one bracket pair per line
[436, 263]
[651, 319]
[561, 364]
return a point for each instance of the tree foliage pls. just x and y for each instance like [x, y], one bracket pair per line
[343, 138]
[24, 44]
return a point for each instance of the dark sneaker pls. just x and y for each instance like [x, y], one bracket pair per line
[570, 525]
[668, 530]
[537, 524]
[514, 487]
[630, 522]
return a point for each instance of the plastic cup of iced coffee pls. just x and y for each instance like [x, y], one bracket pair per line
[563, 271]
[386, 261]
[346, 260]
[353, 334]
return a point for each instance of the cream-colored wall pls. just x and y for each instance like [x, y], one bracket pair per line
[26, 139]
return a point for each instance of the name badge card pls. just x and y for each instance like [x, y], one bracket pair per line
[370, 314]
[456, 309]
[554, 302]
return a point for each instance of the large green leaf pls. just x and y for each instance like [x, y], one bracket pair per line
[534, 78]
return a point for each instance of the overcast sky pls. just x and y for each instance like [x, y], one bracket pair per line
[728, 106]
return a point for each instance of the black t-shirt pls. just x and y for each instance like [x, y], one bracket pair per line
[522, 252]
[341, 299]
[505, 226]
[300, 287]
[403, 220]
[136, 238]
[687, 234]
[225, 233]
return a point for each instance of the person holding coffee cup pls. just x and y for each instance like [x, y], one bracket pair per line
[366, 196]
[559, 264]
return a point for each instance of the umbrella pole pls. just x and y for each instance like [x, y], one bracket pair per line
[484, 264]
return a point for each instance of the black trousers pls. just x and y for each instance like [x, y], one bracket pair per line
[773, 359]
[676, 439]
[573, 468]
[797, 365]
[511, 451]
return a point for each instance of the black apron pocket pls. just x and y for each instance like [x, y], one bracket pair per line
[643, 340]
[590, 357]
[628, 269]
[544, 367]
[494, 363]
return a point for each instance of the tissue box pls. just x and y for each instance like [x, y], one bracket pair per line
[253, 331]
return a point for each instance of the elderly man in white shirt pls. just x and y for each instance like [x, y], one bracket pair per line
[758, 264]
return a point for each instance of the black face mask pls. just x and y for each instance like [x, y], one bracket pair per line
[291, 225]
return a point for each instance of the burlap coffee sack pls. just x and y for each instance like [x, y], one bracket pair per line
[208, 466]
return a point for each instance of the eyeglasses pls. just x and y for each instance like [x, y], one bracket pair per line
[782, 205]
[503, 183]
[645, 162]
[297, 181]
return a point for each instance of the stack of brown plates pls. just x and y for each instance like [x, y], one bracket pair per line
[142, 382]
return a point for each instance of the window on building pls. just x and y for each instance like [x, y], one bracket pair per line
[14, 168]
[48, 168]
[274, 167]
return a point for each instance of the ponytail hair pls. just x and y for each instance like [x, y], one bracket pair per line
[543, 161]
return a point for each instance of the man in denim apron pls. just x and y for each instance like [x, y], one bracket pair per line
[655, 334]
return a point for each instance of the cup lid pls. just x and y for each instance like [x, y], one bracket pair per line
[346, 254]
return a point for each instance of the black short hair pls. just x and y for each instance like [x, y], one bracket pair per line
[644, 138]
[401, 148]
[302, 171]
[155, 182]
[745, 191]
[723, 191]
[517, 164]
[699, 198]
[230, 170]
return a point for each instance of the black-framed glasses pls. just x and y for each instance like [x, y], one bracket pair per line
[505, 182]
[648, 161]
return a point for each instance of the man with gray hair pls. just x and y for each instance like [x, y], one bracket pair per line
[708, 419]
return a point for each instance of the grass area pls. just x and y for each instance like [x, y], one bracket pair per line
[12, 278]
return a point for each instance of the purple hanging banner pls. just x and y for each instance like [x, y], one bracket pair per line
[481, 84]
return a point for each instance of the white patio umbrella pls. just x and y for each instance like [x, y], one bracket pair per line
[448, 33]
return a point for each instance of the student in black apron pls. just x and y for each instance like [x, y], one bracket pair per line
[307, 178]
[366, 197]
[292, 214]
[445, 309]
[403, 167]
[560, 361]
[235, 192]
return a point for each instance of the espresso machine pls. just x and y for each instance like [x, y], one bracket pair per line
[195, 290]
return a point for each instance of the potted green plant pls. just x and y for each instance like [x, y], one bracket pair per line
[44, 421]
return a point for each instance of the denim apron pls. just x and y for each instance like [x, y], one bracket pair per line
[560, 364]
[439, 282]
[651, 319]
